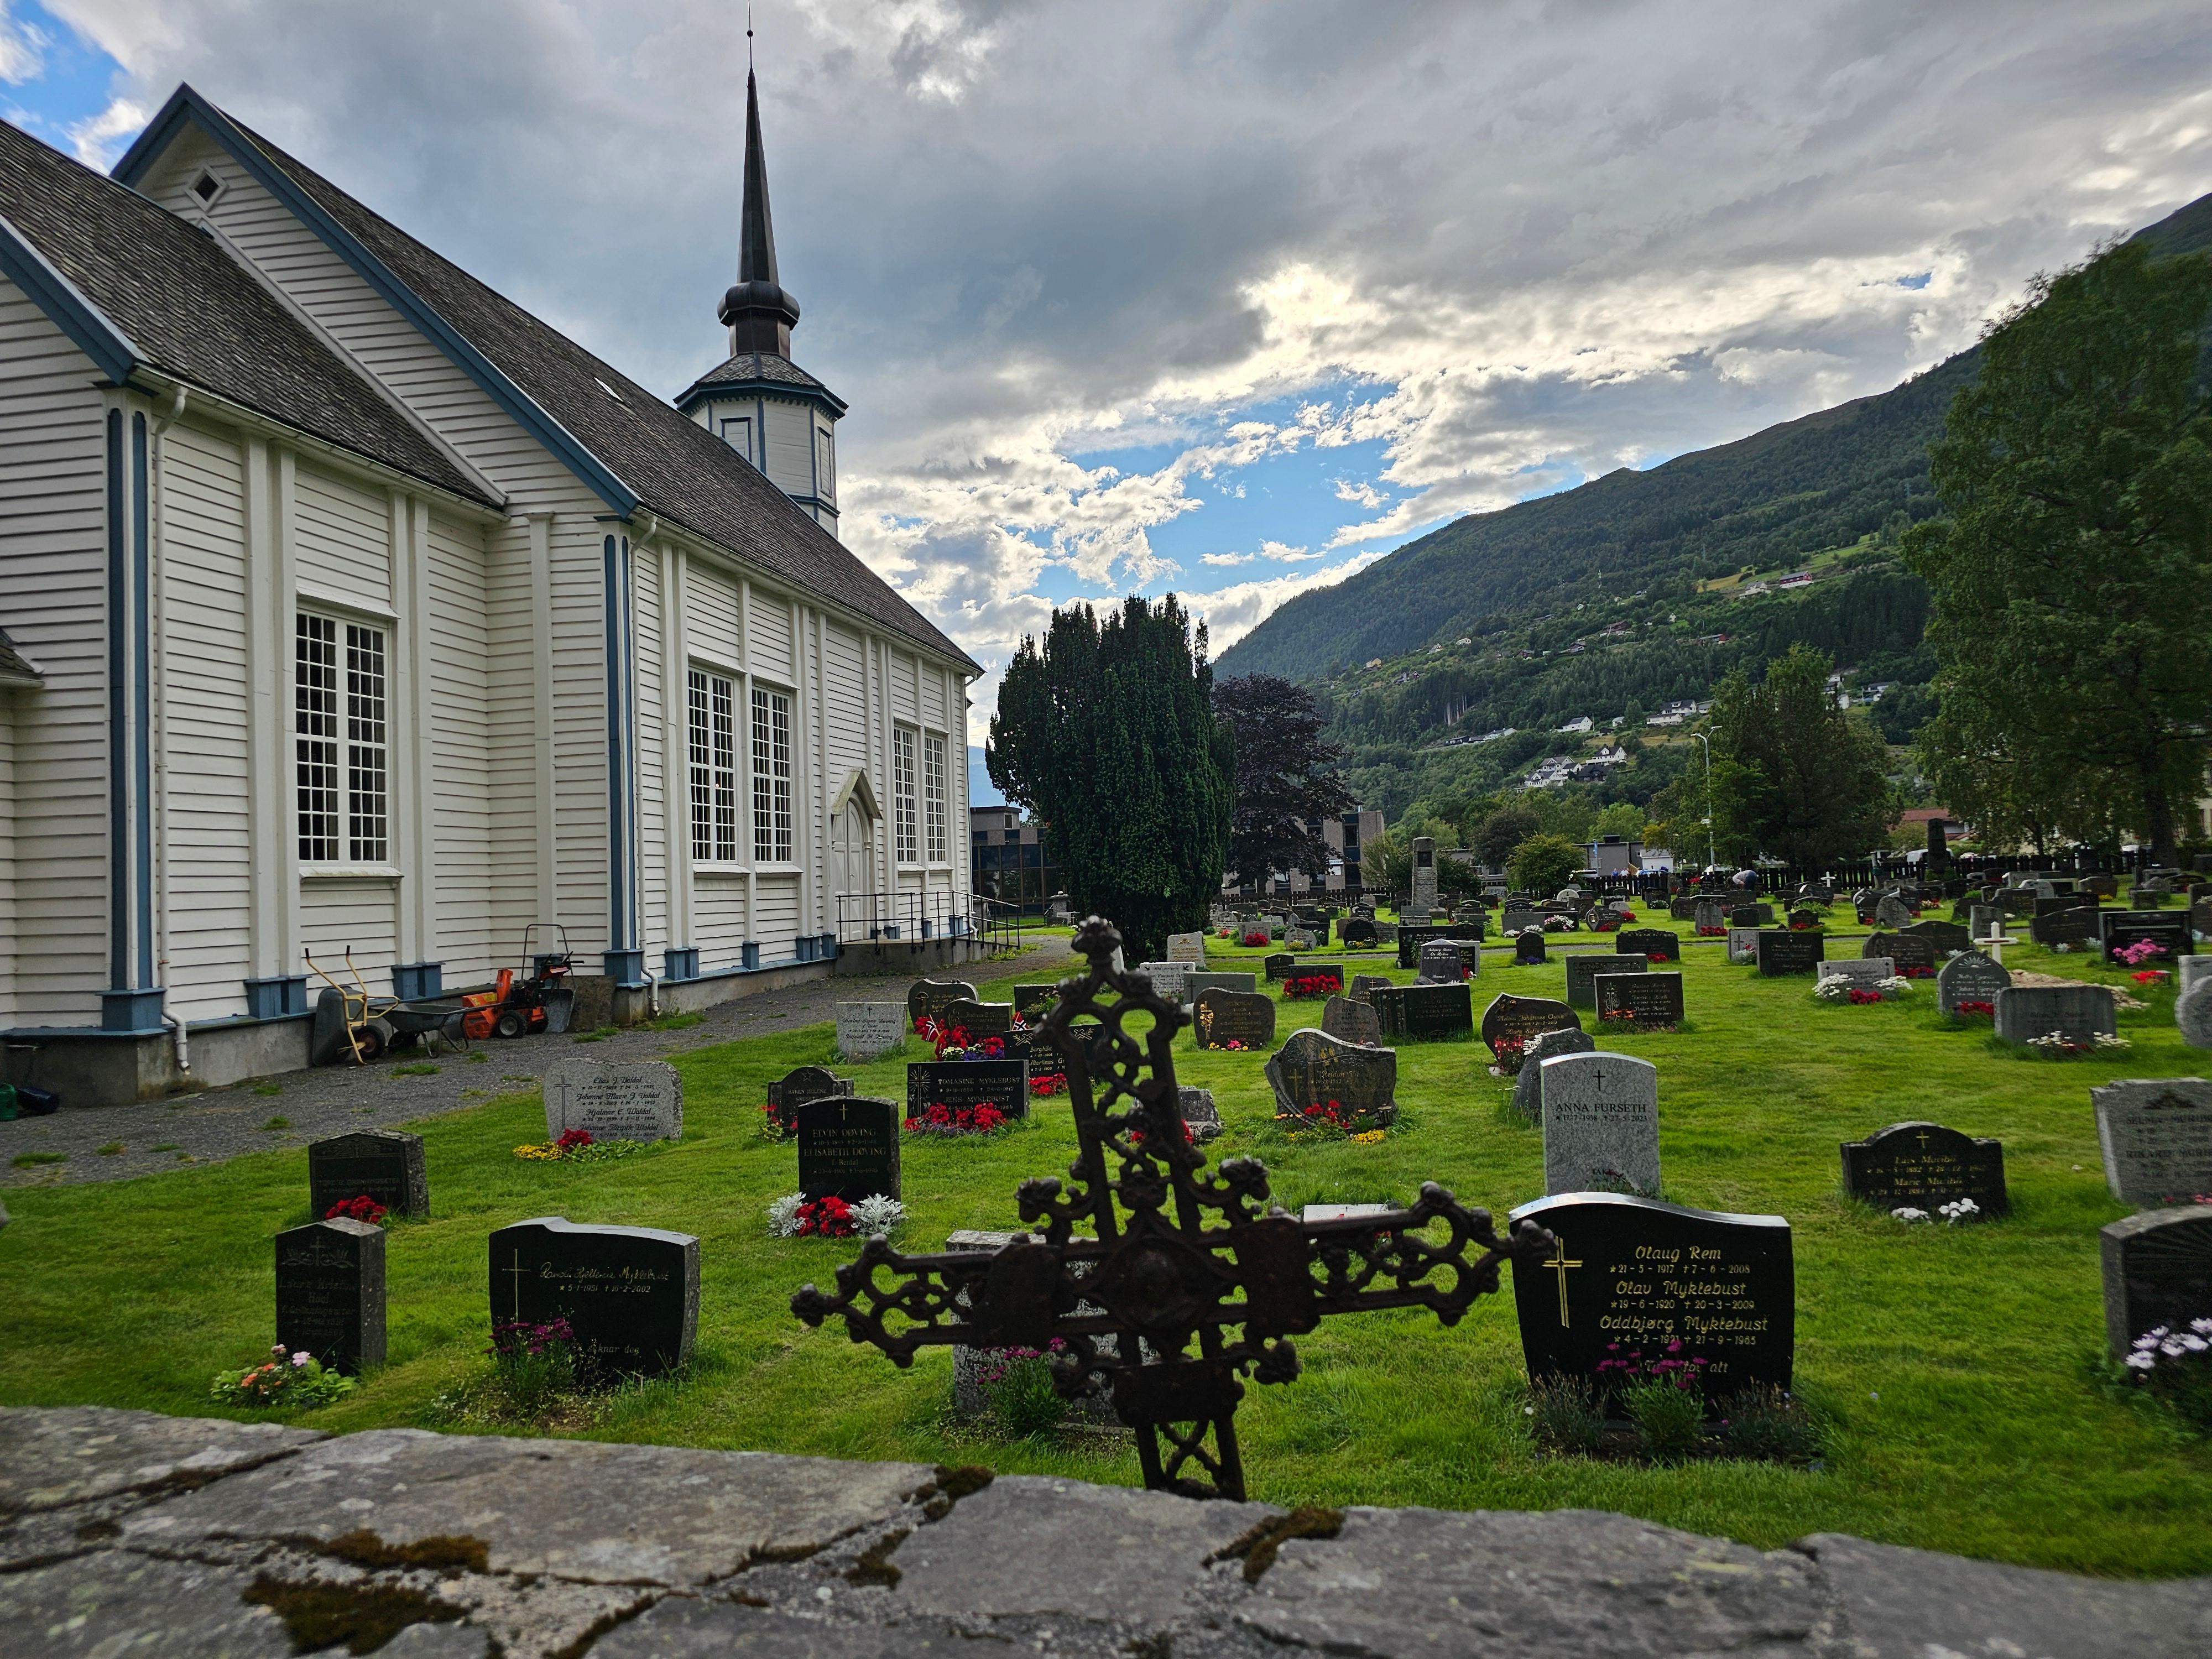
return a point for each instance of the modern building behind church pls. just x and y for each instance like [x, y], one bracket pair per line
[346, 604]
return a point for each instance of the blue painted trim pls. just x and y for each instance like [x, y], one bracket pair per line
[622, 849]
[61, 301]
[710, 391]
[284, 996]
[186, 106]
[118, 805]
[142, 705]
[131, 1011]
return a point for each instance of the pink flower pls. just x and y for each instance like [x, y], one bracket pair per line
[299, 1358]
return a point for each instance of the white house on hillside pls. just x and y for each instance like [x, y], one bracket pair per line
[347, 604]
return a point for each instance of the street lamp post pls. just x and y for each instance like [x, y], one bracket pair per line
[1712, 859]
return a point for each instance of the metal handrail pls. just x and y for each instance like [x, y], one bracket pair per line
[910, 913]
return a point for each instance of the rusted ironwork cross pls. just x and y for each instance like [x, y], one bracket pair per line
[1145, 1303]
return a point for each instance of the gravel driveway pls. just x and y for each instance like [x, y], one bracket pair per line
[206, 1128]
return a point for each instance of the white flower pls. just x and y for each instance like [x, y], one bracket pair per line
[1892, 986]
[878, 1214]
[783, 1216]
[2150, 1338]
[2140, 1362]
[1958, 1210]
[2191, 1341]
[2201, 1327]
[1905, 1212]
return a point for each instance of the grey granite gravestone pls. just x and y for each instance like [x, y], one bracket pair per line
[1985, 921]
[628, 1100]
[2158, 1271]
[1630, 1273]
[1787, 951]
[386, 1165]
[1246, 1018]
[1422, 1013]
[848, 1148]
[1648, 1001]
[1708, 913]
[1312, 1069]
[795, 1088]
[1517, 918]
[2156, 1137]
[1890, 912]
[330, 1294]
[975, 1370]
[1970, 976]
[1424, 878]
[1584, 966]
[2192, 1012]
[1350, 1021]
[928, 998]
[1528, 1084]
[1600, 1124]
[1198, 1112]
[1298, 939]
[1362, 984]
[1186, 947]
[1743, 946]
[2188, 970]
[2078, 1013]
[1752, 915]
[1171, 979]
[630, 1294]
[1924, 1165]
[1861, 974]
[869, 1030]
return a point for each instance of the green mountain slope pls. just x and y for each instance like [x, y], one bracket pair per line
[1826, 481]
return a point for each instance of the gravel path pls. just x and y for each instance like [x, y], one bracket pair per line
[296, 1106]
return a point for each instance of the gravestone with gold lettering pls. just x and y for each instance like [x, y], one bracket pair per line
[1627, 1276]
[848, 1148]
[1925, 1166]
[630, 1294]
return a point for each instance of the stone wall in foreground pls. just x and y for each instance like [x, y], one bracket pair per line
[128, 1533]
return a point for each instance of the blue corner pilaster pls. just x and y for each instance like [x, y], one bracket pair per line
[413, 981]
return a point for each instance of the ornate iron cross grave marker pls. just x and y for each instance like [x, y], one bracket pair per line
[1151, 1300]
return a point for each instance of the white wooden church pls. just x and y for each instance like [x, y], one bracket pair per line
[346, 604]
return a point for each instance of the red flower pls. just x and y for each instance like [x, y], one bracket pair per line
[939, 1119]
[572, 1138]
[2148, 975]
[1915, 973]
[1257, 941]
[826, 1217]
[1986, 1010]
[363, 1208]
[1052, 1082]
[1657, 955]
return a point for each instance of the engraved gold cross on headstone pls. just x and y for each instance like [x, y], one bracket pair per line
[516, 1271]
[1560, 1261]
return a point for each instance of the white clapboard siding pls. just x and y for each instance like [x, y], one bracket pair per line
[296, 260]
[579, 731]
[775, 920]
[336, 914]
[710, 618]
[718, 908]
[767, 632]
[341, 536]
[846, 702]
[458, 703]
[790, 447]
[905, 687]
[511, 728]
[8, 935]
[202, 847]
[648, 819]
[53, 603]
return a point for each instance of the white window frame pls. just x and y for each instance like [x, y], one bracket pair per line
[711, 749]
[771, 774]
[906, 816]
[342, 781]
[825, 463]
[936, 826]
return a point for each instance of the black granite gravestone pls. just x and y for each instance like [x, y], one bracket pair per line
[1529, 949]
[629, 1294]
[930, 997]
[1277, 963]
[1357, 933]
[848, 1148]
[1970, 976]
[1945, 936]
[1246, 1018]
[330, 1294]
[1423, 1013]
[386, 1165]
[1034, 1002]
[1584, 966]
[1640, 999]
[1785, 951]
[794, 1089]
[1411, 939]
[979, 1019]
[2158, 1271]
[1313, 1072]
[2168, 931]
[1003, 1084]
[1649, 943]
[1511, 1019]
[1904, 950]
[1923, 1165]
[1628, 1276]
[2070, 924]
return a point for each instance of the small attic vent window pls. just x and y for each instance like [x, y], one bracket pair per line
[206, 189]
[609, 390]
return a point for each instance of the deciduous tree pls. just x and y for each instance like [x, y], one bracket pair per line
[1795, 775]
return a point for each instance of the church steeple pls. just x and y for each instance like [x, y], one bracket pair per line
[759, 312]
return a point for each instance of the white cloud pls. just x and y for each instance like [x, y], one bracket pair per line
[99, 139]
[1227, 558]
[1283, 554]
[1230, 613]
[22, 48]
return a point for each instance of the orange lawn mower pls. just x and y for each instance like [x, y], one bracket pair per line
[514, 1006]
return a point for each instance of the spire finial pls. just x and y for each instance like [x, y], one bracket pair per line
[758, 312]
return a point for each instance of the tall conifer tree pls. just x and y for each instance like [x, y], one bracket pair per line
[1107, 734]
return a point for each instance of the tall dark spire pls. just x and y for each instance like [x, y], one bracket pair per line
[760, 314]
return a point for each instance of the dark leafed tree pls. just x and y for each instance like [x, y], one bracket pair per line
[1795, 775]
[2070, 574]
[1287, 777]
[1106, 734]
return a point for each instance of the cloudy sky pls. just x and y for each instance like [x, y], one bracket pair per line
[1222, 298]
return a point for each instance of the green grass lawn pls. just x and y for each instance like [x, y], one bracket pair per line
[1952, 1367]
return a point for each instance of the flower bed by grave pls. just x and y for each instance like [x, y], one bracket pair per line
[293, 1381]
[1301, 987]
[577, 1146]
[939, 1119]
[795, 1216]
[1945, 1366]
[1330, 1120]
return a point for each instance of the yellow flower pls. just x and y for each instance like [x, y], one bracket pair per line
[1368, 1138]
